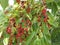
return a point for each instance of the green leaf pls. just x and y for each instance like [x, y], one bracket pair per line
[5, 41]
[30, 38]
[37, 41]
[45, 28]
[3, 19]
[35, 26]
[6, 38]
[32, 34]
[52, 6]
[55, 38]
[40, 35]
[58, 3]
[42, 42]
[47, 41]
[48, 1]
[34, 20]
[1, 33]
[52, 20]
[29, 16]
[4, 3]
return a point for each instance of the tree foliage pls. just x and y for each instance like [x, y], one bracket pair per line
[30, 23]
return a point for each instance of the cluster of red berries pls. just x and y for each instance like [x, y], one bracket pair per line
[39, 18]
[28, 22]
[44, 11]
[11, 23]
[45, 15]
[20, 30]
[28, 9]
[24, 30]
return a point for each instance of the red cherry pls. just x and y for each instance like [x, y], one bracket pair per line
[18, 35]
[44, 11]
[38, 19]
[28, 10]
[45, 20]
[28, 22]
[22, 20]
[8, 30]
[26, 29]
[20, 31]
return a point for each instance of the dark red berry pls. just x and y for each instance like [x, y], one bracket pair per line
[20, 31]
[22, 20]
[18, 35]
[38, 19]
[28, 22]
[8, 30]
[44, 12]
[28, 10]
[26, 29]
[45, 20]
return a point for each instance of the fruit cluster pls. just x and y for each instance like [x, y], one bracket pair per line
[22, 19]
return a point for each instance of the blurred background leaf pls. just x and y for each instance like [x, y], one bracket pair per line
[4, 3]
